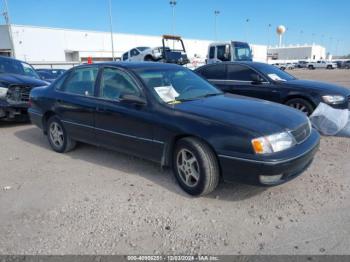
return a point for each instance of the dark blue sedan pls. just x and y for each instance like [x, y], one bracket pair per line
[168, 114]
[268, 82]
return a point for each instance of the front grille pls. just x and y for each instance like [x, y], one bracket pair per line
[301, 133]
[18, 94]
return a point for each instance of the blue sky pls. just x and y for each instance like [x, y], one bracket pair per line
[325, 22]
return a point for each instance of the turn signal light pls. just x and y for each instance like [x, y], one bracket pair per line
[258, 146]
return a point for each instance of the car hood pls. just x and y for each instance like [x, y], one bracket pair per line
[319, 86]
[258, 116]
[14, 79]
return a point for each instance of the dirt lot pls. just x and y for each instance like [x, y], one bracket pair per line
[95, 201]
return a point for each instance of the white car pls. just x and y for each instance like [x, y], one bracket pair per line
[322, 64]
[142, 53]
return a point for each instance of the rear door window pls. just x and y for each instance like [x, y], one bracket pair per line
[81, 81]
[217, 72]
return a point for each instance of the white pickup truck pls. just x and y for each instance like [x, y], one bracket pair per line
[322, 64]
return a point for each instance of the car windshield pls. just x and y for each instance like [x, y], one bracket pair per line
[242, 52]
[176, 85]
[10, 66]
[274, 73]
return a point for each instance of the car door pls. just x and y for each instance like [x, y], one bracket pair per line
[75, 103]
[123, 125]
[241, 80]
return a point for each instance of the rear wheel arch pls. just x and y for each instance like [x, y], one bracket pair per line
[45, 118]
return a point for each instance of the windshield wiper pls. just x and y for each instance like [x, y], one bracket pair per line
[208, 95]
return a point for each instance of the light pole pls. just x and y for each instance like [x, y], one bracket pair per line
[301, 37]
[173, 4]
[268, 34]
[312, 38]
[216, 13]
[330, 44]
[8, 23]
[246, 29]
[322, 41]
[111, 27]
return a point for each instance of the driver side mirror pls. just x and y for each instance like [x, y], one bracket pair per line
[132, 99]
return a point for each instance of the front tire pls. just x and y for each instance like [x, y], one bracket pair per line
[58, 138]
[195, 166]
[301, 105]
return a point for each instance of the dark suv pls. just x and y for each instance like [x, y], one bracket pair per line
[17, 78]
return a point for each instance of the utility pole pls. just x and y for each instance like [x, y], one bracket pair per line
[246, 29]
[6, 15]
[111, 27]
[216, 13]
[269, 35]
[173, 3]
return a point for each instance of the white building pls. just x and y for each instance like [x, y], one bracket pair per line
[42, 45]
[297, 52]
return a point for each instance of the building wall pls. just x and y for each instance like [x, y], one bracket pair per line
[53, 44]
[5, 42]
[40, 44]
[312, 52]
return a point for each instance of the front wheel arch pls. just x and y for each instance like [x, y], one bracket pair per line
[306, 99]
[170, 147]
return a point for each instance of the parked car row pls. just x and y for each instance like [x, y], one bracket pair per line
[168, 114]
[270, 83]
[207, 125]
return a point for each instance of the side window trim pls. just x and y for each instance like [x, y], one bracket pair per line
[133, 79]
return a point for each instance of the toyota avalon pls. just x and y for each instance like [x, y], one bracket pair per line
[168, 114]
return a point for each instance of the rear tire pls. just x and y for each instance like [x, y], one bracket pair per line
[302, 105]
[195, 166]
[311, 67]
[329, 67]
[58, 137]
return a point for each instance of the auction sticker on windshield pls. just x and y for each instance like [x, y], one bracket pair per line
[276, 77]
[166, 93]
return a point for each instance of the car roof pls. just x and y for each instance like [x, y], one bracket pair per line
[134, 65]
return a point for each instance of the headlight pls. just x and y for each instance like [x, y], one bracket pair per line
[3, 92]
[333, 99]
[273, 143]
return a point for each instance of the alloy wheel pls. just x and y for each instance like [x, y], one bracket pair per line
[188, 167]
[56, 134]
[300, 107]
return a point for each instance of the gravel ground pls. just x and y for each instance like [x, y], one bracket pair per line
[96, 201]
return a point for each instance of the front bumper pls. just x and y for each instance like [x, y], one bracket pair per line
[287, 164]
[13, 111]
